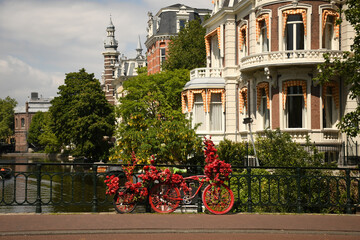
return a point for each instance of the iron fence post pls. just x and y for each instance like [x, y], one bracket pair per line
[348, 196]
[249, 202]
[199, 202]
[298, 186]
[38, 192]
[94, 201]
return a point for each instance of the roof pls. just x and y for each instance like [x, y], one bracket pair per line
[207, 82]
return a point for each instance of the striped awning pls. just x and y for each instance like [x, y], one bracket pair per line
[286, 13]
[336, 15]
[263, 85]
[242, 35]
[242, 99]
[292, 84]
[259, 19]
[335, 93]
[208, 37]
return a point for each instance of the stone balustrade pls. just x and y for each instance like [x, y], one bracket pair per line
[287, 58]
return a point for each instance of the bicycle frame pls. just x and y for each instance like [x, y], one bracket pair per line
[193, 178]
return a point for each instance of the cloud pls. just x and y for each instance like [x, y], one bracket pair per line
[18, 80]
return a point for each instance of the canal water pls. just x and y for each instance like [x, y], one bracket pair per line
[64, 188]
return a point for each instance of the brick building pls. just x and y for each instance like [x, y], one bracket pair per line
[164, 25]
[23, 117]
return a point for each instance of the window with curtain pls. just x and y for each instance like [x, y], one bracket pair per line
[295, 107]
[22, 122]
[264, 111]
[328, 33]
[199, 113]
[295, 32]
[216, 112]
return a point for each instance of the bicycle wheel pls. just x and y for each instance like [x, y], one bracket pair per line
[124, 203]
[164, 198]
[218, 199]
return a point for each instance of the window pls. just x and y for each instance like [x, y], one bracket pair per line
[263, 36]
[329, 109]
[182, 23]
[22, 122]
[162, 55]
[294, 32]
[295, 107]
[328, 33]
[199, 113]
[216, 112]
[264, 111]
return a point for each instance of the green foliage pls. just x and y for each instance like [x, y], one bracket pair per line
[187, 50]
[277, 149]
[152, 121]
[276, 188]
[82, 116]
[233, 152]
[348, 68]
[36, 129]
[7, 106]
[41, 135]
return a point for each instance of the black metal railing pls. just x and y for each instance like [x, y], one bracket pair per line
[71, 187]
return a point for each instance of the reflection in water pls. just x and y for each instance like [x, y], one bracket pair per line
[63, 189]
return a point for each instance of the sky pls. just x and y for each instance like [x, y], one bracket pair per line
[42, 40]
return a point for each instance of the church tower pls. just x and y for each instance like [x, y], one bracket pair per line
[110, 61]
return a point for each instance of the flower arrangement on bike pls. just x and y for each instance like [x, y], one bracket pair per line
[164, 195]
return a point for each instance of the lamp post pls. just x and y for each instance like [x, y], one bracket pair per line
[249, 120]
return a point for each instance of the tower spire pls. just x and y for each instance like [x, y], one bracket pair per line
[110, 43]
[139, 48]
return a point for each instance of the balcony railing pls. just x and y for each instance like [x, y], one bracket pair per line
[205, 73]
[287, 57]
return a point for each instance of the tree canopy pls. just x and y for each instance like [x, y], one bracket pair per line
[151, 121]
[348, 68]
[41, 135]
[82, 116]
[7, 106]
[187, 50]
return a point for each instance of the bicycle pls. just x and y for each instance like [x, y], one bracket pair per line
[166, 198]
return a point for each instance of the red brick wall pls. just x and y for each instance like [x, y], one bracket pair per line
[275, 113]
[315, 107]
[153, 56]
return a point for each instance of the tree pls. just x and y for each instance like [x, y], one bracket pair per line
[348, 68]
[35, 130]
[187, 50]
[41, 135]
[82, 116]
[152, 121]
[7, 106]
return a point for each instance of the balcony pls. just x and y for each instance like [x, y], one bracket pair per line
[282, 58]
[201, 78]
[205, 73]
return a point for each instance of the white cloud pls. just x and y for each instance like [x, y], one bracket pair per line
[18, 80]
